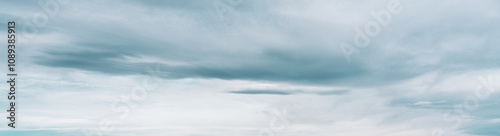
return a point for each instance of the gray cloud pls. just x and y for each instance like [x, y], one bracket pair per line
[290, 92]
[273, 92]
[208, 54]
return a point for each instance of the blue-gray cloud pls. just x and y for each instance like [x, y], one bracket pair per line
[273, 92]
[290, 92]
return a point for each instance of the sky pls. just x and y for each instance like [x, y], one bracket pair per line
[260, 68]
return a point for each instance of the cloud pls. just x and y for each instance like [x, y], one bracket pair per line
[290, 92]
[274, 92]
[423, 63]
[275, 53]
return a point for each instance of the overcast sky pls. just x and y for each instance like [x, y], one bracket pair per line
[246, 67]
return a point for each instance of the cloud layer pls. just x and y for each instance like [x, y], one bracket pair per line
[221, 68]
